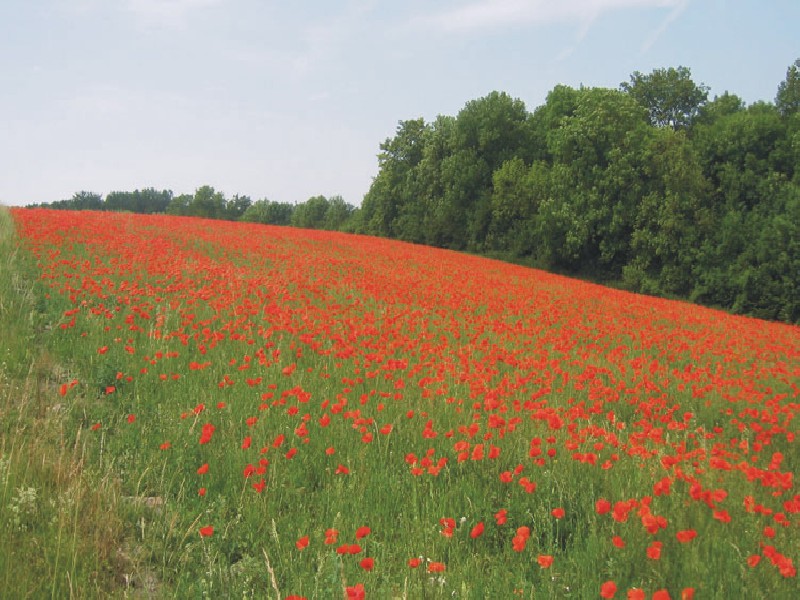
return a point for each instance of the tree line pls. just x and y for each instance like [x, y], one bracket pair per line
[318, 212]
[650, 186]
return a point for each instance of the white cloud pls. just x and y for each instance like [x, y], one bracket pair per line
[493, 14]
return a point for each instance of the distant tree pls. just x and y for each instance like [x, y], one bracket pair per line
[85, 201]
[269, 213]
[670, 96]
[236, 207]
[207, 203]
[397, 160]
[788, 97]
[311, 213]
[146, 201]
[179, 205]
[337, 214]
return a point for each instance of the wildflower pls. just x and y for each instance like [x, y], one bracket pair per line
[367, 564]
[477, 531]
[207, 531]
[686, 536]
[608, 589]
[602, 506]
[544, 561]
[436, 567]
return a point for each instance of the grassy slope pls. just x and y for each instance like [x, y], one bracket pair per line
[406, 304]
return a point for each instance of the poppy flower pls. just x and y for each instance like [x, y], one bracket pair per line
[477, 531]
[367, 564]
[608, 589]
[207, 531]
[558, 513]
[356, 592]
[414, 562]
[686, 536]
[302, 542]
[362, 532]
[544, 561]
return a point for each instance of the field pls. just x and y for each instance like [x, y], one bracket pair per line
[236, 410]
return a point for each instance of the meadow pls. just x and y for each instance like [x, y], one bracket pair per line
[194, 408]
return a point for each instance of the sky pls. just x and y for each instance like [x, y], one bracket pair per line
[287, 100]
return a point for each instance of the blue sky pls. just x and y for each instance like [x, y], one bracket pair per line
[286, 100]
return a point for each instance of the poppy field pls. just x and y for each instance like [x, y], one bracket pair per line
[290, 413]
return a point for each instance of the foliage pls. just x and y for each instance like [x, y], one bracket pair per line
[650, 186]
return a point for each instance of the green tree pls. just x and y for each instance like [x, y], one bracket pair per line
[236, 207]
[337, 213]
[207, 203]
[268, 212]
[179, 205]
[670, 96]
[788, 97]
[311, 213]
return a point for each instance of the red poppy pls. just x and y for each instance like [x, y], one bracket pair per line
[436, 567]
[608, 589]
[207, 531]
[414, 562]
[686, 536]
[477, 531]
[367, 564]
[362, 532]
[602, 506]
[302, 542]
[544, 561]
[558, 513]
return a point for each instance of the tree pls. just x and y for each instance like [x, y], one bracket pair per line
[179, 205]
[86, 201]
[670, 96]
[311, 213]
[207, 203]
[269, 213]
[788, 97]
[236, 207]
[337, 214]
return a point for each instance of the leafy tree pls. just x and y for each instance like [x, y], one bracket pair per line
[397, 160]
[670, 96]
[207, 203]
[311, 213]
[236, 207]
[788, 97]
[179, 205]
[269, 213]
[337, 214]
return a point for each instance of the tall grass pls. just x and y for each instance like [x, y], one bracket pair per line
[61, 529]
